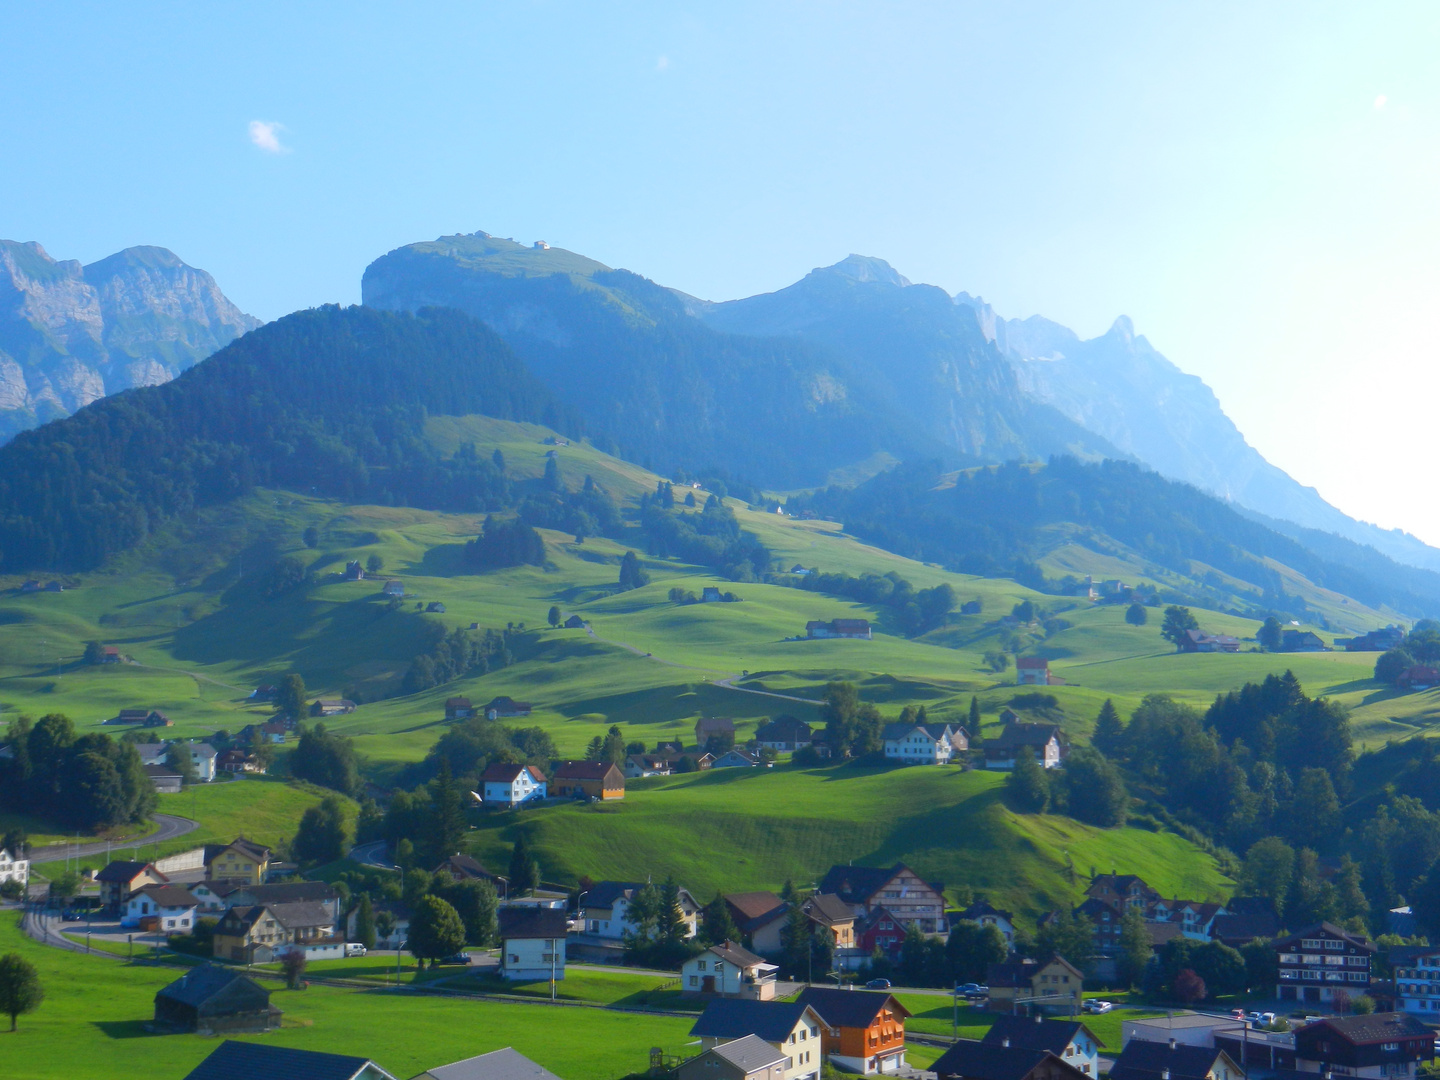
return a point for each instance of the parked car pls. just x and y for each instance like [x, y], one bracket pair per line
[878, 984]
[979, 993]
[354, 948]
[1095, 1005]
[1253, 1019]
[457, 958]
[968, 989]
[71, 915]
[1237, 1014]
[1267, 1018]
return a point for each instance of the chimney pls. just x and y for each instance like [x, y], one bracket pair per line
[1172, 1042]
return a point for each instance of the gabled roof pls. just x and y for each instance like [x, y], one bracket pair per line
[828, 908]
[1330, 929]
[783, 729]
[161, 772]
[503, 773]
[983, 1061]
[506, 1064]
[734, 1018]
[983, 907]
[1020, 733]
[532, 922]
[754, 905]
[738, 955]
[248, 848]
[857, 884]
[166, 895]
[1031, 663]
[1038, 1033]
[283, 892]
[200, 984]
[749, 1053]
[715, 724]
[849, 1008]
[465, 866]
[603, 894]
[1141, 1060]
[124, 871]
[301, 914]
[1375, 1028]
[233, 1060]
[585, 770]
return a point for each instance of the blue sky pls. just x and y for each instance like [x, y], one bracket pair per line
[1253, 184]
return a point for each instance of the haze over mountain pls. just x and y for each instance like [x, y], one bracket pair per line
[70, 334]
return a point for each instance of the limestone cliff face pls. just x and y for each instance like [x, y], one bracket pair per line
[70, 334]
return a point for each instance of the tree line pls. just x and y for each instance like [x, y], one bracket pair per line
[90, 782]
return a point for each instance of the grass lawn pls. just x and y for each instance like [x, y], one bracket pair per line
[91, 1025]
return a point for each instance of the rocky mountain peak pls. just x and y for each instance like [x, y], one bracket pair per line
[866, 268]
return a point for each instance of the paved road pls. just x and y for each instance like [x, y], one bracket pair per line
[171, 826]
[372, 854]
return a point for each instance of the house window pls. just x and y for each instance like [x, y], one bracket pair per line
[1335, 946]
[694, 980]
[701, 965]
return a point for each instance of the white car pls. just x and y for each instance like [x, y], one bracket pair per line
[354, 948]
[1095, 1006]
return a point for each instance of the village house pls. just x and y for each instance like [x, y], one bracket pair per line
[1196, 641]
[167, 908]
[1417, 977]
[236, 1060]
[241, 862]
[720, 729]
[838, 628]
[606, 907]
[499, 708]
[1302, 641]
[109, 654]
[759, 916]
[166, 780]
[880, 930]
[1026, 987]
[970, 1059]
[354, 571]
[436, 607]
[923, 744]
[532, 943]
[393, 588]
[1069, 1040]
[908, 897]
[263, 692]
[157, 719]
[783, 734]
[331, 706]
[265, 932]
[202, 757]
[151, 753]
[14, 867]
[710, 595]
[1141, 1060]
[210, 1000]
[829, 912]
[789, 1027]
[639, 766]
[1045, 743]
[221, 896]
[1387, 1045]
[736, 758]
[1320, 960]
[467, 868]
[121, 877]
[747, 1058]
[510, 785]
[1376, 640]
[728, 970]
[238, 762]
[504, 1064]
[1419, 677]
[983, 913]
[458, 708]
[574, 622]
[598, 780]
[861, 1031]
[1034, 671]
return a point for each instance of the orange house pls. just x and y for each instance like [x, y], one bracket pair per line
[592, 779]
[864, 1031]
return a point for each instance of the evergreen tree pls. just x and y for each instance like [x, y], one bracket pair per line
[717, 925]
[795, 941]
[1109, 736]
[552, 475]
[448, 809]
[365, 922]
[1135, 948]
[632, 575]
[974, 719]
[498, 460]
[524, 870]
[672, 927]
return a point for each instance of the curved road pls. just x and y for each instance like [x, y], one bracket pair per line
[171, 826]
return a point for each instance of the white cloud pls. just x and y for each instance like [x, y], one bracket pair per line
[663, 64]
[266, 135]
[1380, 100]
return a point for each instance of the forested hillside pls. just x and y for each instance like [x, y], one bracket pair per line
[331, 401]
[981, 521]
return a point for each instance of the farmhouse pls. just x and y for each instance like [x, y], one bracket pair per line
[234, 1060]
[14, 867]
[393, 588]
[760, 916]
[263, 932]
[714, 727]
[506, 1064]
[735, 758]
[639, 766]
[1025, 987]
[589, 779]
[863, 1032]
[969, 1059]
[458, 708]
[606, 906]
[923, 744]
[511, 785]
[1302, 641]
[500, 707]
[1321, 960]
[167, 908]
[109, 654]
[1419, 677]
[532, 943]
[331, 707]
[1069, 1040]
[747, 1058]
[839, 628]
[354, 571]
[435, 606]
[574, 622]
[210, 1001]
[1045, 743]
[166, 780]
[789, 1027]
[1199, 641]
[1033, 671]
[122, 877]
[1141, 1060]
[466, 868]
[903, 892]
[710, 595]
[784, 733]
[983, 913]
[1386, 1045]
[728, 970]
[242, 862]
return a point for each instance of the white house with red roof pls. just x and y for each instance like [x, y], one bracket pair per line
[511, 785]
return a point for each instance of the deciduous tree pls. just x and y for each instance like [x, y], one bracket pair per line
[20, 989]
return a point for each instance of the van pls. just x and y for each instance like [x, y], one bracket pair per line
[354, 948]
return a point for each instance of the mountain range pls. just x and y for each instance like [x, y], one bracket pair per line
[70, 334]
